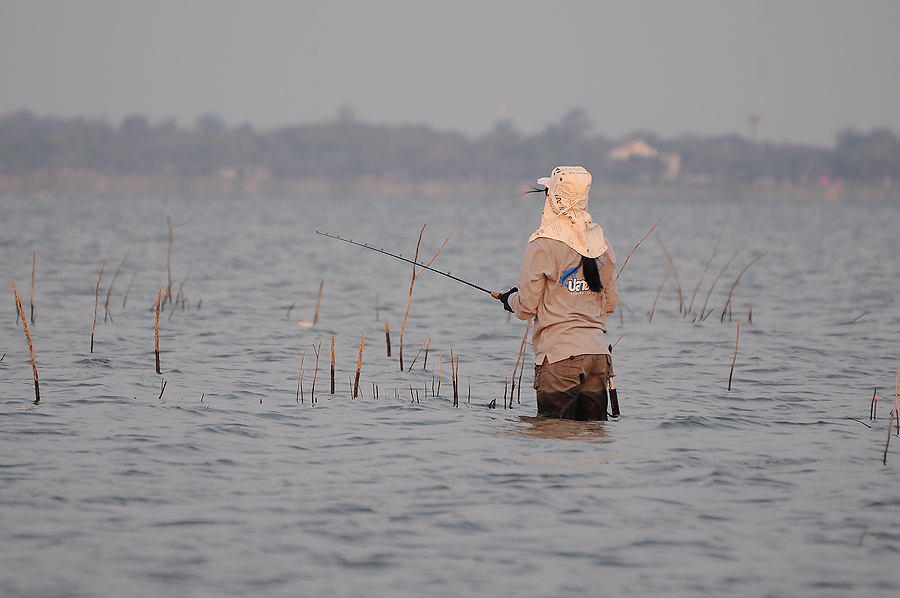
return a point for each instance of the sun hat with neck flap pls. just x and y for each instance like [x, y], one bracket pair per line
[565, 216]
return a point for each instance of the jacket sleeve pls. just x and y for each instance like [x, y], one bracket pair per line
[535, 269]
[608, 280]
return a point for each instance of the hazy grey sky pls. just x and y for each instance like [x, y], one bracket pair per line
[809, 67]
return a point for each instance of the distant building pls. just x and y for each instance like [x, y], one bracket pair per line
[636, 148]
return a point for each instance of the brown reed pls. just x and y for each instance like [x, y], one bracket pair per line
[179, 298]
[427, 338]
[699, 282]
[318, 301]
[888, 443]
[33, 268]
[734, 359]
[359, 365]
[169, 254]
[428, 346]
[703, 314]
[675, 270]
[300, 377]
[162, 389]
[653, 309]
[37, 386]
[109, 290]
[332, 364]
[312, 391]
[453, 378]
[96, 304]
[128, 290]
[387, 339]
[728, 302]
[896, 379]
[156, 329]
[635, 247]
[440, 372]
[288, 314]
[520, 358]
[522, 369]
[412, 282]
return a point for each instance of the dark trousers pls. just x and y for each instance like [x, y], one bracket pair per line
[574, 388]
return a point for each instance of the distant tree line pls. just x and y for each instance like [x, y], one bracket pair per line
[349, 149]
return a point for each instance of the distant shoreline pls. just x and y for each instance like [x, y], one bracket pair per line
[88, 183]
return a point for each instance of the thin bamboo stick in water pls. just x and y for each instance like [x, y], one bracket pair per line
[734, 359]
[37, 386]
[158, 298]
[96, 304]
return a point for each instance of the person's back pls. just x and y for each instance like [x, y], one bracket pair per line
[566, 283]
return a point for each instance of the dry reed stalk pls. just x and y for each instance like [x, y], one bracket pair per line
[412, 282]
[469, 396]
[359, 365]
[872, 405]
[288, 314]
[387, 340]
[888, 443]
[432, 379]
[896, 379]
[169, 253]
[636, 246]
[428, 346]
[703, 314]
[300, 377]
[158, 296]
[728, 302]
[128, 290]
[312, 391]
[96, 304]
[519, 358]
[456, 383]
[2, 356]
[522, 369]
[332, 364]
[505, 384]
[427, 337]
[109, 290]
[675, 270]
[734, 359]
[162, 389]
[33, 268]
[318, 301]
[653, 309]
[618, 339]
[440, 372]
[37, 386]
[453, 378]
[179, 298]
[699, 282]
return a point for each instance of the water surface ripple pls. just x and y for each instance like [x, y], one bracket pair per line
[226, 485]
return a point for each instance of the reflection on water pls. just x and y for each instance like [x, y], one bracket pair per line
[559, 429]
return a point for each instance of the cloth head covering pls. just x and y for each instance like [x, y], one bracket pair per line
[565, 216]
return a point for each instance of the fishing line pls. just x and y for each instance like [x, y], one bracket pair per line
[400, 257]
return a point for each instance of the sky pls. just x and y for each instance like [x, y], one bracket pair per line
[807, 68]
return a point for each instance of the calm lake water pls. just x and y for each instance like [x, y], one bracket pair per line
[225, 485]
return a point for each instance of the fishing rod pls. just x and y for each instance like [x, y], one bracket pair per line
[400, 257]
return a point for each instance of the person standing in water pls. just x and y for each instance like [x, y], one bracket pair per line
[566, 284]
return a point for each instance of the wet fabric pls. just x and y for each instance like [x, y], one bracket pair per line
[574, 388]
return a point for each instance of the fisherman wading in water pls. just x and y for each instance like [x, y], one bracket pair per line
[566, 284]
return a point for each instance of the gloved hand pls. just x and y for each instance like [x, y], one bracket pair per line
[504, 294]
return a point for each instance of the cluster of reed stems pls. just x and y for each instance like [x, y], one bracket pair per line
[675, 282]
